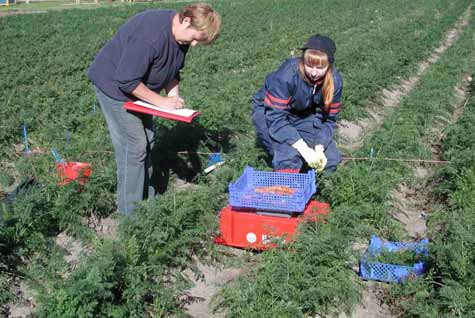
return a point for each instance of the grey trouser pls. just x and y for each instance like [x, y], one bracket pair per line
[132, 136]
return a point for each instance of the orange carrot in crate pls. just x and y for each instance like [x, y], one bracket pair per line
[284, 190]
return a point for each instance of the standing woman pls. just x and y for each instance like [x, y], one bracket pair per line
[144, 58]
[295, 112]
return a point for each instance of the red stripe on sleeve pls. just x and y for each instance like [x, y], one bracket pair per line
[269, 103]
[277, 100]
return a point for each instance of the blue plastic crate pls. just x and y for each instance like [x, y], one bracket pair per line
[242, 193]
[369, 269]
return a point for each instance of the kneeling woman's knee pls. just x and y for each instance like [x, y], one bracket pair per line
[333, 158]
[286, 157]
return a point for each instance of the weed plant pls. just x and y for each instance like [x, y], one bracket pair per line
[402, 257]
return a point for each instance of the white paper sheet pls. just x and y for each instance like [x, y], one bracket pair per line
[185, 112]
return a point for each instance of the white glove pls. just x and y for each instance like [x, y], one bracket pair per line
[308, 154]
[321, 158]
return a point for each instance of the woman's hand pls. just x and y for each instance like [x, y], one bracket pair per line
[321, 158]
[172, 102]
[307, 153]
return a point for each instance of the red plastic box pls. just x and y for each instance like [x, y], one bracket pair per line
[256, 231]
[71, 170]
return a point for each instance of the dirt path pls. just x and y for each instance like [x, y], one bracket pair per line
[24, 304]
[200, 296]
[412, 204]
[10, 13]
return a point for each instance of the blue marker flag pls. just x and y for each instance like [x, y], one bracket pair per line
[56, 156]
[214, 158]
[25, 137]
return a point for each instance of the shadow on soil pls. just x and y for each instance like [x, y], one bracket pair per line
[177, 152]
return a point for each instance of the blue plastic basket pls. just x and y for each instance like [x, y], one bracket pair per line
[242, 193]
[369, 269]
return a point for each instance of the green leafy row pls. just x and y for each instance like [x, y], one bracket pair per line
[448, 291]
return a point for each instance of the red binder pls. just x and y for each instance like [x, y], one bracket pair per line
[184, 115]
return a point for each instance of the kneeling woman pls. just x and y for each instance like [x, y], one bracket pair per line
[295, 111]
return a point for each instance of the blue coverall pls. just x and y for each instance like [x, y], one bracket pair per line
[288, 108]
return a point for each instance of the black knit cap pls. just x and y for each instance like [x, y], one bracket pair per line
[322, 43]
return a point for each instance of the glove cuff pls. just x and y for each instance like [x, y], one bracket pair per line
[300, 145]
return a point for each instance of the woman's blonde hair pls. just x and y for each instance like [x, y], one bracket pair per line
[203, 18]
[320, 59]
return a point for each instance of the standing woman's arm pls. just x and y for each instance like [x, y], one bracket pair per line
[134, 62]
[173, 88]
[144, 93]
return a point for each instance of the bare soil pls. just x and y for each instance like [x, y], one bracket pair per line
[200, 296]
[25, 302]
[105, 228]
[75, 250]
